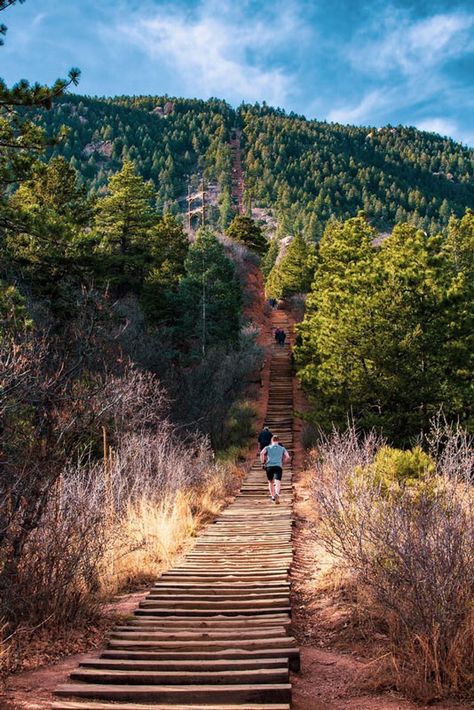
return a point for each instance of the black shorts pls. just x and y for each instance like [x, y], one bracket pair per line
[274, 472]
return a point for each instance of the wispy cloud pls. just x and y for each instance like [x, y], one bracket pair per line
[443, 126]
[25, 34]
[217, 49]
[397, 42]
[400, 62]
[369, 106]
[446, 127]
[368, 62]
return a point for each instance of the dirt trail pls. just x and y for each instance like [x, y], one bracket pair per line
[237, 172]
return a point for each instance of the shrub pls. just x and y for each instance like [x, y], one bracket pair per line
[393, 469]
[108, 523]
[411, 556]
[309, 436]
[202, 395]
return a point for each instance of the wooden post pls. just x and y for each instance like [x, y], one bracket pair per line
[109, 506]
[189, 207]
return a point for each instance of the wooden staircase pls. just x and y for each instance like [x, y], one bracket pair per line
[213, 632]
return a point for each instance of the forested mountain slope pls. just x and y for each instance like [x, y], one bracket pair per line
[308, 171]
[167, 148]
[312, 170]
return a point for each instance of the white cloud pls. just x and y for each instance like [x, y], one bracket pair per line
[218, 51]
[446, 127]
[364, 111]
[398, 43]
[409, 57]
[443, 126]
[24, 35]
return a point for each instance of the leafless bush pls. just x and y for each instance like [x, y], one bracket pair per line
[297, 305]
[237, 252]
[58, 573]
[113, 522]
[452, 448]
[411, 550]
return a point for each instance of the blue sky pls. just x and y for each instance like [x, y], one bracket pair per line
[354, 61]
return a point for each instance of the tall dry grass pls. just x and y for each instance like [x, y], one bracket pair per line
[408, 545]
[113, 524]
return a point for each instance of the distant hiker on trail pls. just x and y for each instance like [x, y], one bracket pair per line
[272, 302]
[280, 336]
[273, 457]
[264, 438]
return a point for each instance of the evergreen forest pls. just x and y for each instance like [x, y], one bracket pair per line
[306, 171]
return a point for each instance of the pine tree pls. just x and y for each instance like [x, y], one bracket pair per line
[51, 211]
[54, 186]
[244, 230]
[225, 209]
[209, 296]
[169, 246]
[330, 366]
[385, 336]
[294, 272]
[125, 215]
[268, 261]
[21, 140]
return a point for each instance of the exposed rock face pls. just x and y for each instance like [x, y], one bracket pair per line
[163, 111]
[103, 148]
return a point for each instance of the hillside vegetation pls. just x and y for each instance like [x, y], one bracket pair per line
[192, 138]
[307, 171]
[311, 171]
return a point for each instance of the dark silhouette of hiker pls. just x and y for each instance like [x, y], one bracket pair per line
[280, 336]
[264, 438]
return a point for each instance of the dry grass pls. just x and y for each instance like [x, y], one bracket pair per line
[111, 526]
[155, 533]
[408, 548]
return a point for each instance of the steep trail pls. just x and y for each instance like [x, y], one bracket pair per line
[213, 632]
[237, 172]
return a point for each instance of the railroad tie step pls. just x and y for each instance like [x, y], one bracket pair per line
[181, 677]
[180, 694]
[91, 705]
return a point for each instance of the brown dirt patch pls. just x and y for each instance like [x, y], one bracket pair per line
[51, 660]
